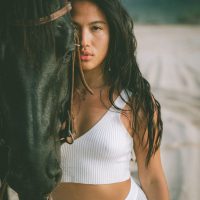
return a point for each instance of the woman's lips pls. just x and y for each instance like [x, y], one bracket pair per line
[86, 57]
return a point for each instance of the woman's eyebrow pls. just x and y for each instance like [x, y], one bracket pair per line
[98, 22]
[92, 23]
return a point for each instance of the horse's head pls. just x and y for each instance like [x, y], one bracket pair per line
[35, 46]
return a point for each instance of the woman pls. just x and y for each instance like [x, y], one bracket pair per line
[121, 115]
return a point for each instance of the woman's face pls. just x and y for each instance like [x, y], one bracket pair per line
[94, 33]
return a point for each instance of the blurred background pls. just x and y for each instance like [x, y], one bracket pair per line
[164, 11]
[168, 36]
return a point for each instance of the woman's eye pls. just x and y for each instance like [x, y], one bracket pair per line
[96, 28]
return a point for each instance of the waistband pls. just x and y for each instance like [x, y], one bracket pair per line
[135, 192]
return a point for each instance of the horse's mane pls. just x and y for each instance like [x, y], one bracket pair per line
[31, 37]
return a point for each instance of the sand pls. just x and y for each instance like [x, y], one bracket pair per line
[169, 57]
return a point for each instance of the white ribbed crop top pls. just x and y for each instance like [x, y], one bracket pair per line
[102, 155]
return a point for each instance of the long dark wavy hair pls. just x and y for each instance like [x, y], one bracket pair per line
[121, 71]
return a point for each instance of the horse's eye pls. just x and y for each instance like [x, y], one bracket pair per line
[59, 26]
[60, 30]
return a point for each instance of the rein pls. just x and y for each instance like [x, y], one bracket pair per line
[68, 134]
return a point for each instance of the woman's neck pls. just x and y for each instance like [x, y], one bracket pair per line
[94, 78]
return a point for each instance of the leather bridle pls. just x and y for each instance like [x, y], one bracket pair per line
[68, 133]
[44, 20]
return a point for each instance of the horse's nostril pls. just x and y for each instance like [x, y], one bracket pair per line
[54, 174]
[58, 176]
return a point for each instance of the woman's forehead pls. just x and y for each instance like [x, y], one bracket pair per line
[83, 11]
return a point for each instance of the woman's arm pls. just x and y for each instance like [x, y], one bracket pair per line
[151, 177]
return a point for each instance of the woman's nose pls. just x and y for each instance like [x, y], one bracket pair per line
[85, 38]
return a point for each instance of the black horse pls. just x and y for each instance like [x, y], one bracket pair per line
[36, 41]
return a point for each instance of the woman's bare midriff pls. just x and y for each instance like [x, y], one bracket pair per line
[77, 191]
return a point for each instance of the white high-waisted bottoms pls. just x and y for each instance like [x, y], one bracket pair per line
[135, 192]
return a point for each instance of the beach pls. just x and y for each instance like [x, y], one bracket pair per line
[169, 58]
